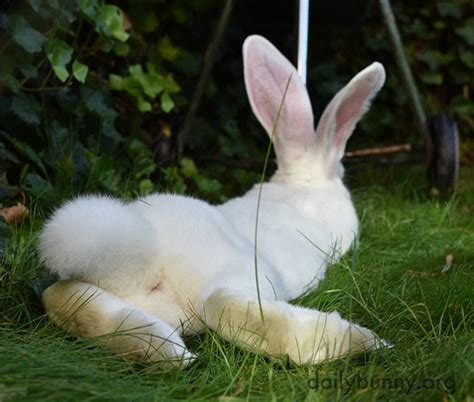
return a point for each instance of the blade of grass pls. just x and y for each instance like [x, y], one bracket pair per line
[259, 198]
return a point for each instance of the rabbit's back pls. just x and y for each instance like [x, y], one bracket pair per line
[301, 229]
[198, 243]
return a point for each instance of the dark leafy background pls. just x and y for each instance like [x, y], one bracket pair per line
[93, 93]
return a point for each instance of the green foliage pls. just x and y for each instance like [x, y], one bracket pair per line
[24, 35]
[437, 37]
[109, 21]
[43, 61]
[79, 71]
[442, 56]
[93, 92]
[59, 54]
[186, 179]
[442, 53]
[146, 85]
[58, 118]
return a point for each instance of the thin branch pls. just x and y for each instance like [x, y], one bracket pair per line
[350, 156]
[392, 149]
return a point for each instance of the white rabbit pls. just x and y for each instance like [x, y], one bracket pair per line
[151, 270]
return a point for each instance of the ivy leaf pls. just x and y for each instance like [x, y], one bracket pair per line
[24, 149]
[26, 108]
[167, 103]
[89, 7]
[96, 103]
[79, 71]
[110, 179]
[150, 83]
[467, 32]
[37, 186]
[136, 71]
[6, 155]
[152, 86]
[166, 49]
[110, 20]
[143, 105]
[61, 72]
[59, 54]
[208, 186]
[121, 49]
[27, 37]
[116, 82]
[188, 168]
[171, 85]
[10, 82]
[29, 71]
[146, 187]
[467, 57]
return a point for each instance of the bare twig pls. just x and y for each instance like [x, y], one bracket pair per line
[256, 164]
[392, 149]
[422, 274]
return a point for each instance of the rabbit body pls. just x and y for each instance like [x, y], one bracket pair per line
[166, 264]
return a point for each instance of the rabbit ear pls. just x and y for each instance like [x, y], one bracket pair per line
[267, 74]
[344, 111]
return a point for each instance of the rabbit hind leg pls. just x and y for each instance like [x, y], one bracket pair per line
[307, 336]
[88, 311]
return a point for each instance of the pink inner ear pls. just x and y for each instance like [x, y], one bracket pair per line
[267, 82]
[348, 115]
[267, 76]
[345, 110]
[267, 73]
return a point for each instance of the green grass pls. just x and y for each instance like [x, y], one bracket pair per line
[391, 284]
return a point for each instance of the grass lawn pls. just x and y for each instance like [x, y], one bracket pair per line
[392, 284]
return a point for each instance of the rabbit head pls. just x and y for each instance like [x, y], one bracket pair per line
[280, 102]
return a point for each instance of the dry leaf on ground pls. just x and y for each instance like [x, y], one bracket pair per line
[14, 214]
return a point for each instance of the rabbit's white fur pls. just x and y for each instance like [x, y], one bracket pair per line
[172, 264]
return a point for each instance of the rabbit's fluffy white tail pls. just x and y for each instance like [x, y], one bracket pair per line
[97, 239]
